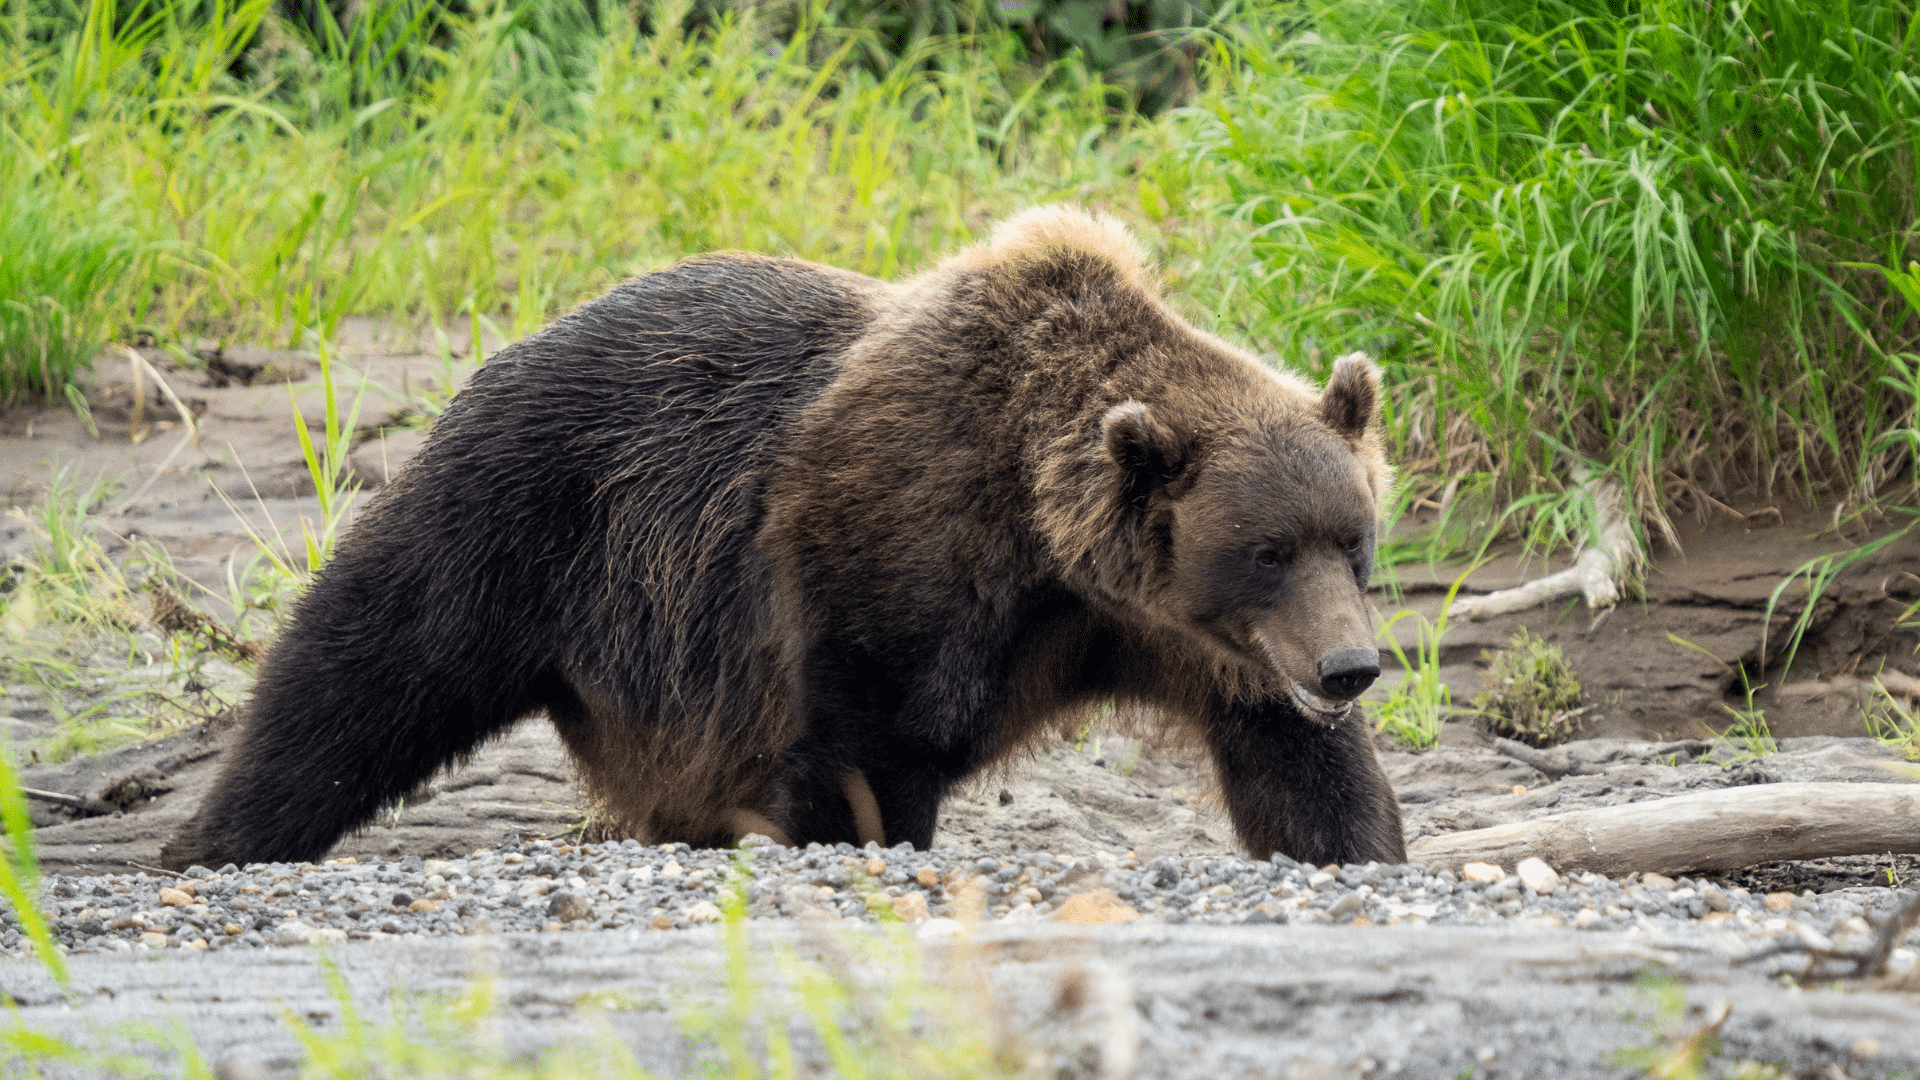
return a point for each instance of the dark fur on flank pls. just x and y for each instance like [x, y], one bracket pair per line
[780, 546]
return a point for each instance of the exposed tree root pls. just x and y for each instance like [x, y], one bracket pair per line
[1868, 963]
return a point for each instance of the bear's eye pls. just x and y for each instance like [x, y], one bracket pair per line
[1267, 557]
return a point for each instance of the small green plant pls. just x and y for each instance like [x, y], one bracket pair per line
[1749, 730]
[1893, 724]
[1535, 698]
[1417, 708]
[68, 582]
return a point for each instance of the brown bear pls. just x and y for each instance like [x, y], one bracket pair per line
[782, 548]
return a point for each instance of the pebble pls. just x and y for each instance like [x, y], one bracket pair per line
[1535, 874]
[543, 887]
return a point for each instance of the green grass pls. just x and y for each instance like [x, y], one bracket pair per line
[1666, 240]
[1649, 235]
[1820, 573]
[59, 266]
[468, 182]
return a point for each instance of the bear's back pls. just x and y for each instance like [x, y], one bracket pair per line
[621, 453]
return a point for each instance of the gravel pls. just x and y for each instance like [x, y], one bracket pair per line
[540, 886]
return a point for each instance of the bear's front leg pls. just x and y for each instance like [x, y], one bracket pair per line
[1309, 791]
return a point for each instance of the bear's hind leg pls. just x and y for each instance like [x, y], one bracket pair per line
[840, 797]
[352, 711]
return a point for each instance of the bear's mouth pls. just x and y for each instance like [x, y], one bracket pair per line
[1318, 708]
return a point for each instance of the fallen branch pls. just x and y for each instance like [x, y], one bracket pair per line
[1710, 830]
[87, 807]
[1613, 557]
[173, 616]
[1556, 762]
[158, 870]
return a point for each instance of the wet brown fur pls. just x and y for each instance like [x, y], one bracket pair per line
[781, 547]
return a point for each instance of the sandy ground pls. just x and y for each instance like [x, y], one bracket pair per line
[1208, 1002]
[1165, 1002]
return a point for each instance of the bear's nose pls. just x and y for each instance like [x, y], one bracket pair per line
[1344, 673]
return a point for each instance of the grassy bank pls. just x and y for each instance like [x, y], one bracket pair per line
[1665, 238]
[234, 183]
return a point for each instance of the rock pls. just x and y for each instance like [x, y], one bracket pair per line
[1350, 904]
[153, 940]
[703, 912]
[1779, 901]
[1656, 881]
[940, 930]
[912, 907]
[175, 898]
[1535, 874]
[927, 878]
[1813, 938]
[423, 905]
[567, 906]
[1482, 872]
[875, 867]
[294, 933]
[1095, 909]
[797, 900]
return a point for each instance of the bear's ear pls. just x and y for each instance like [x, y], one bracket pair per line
[1352, 397]
[1149, 452]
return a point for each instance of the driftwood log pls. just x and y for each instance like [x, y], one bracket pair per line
[1612, 557]
[1724, 829]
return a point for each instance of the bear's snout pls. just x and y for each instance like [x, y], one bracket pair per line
[1346, 673]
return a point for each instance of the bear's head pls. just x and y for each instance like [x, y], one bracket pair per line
[1260, 533]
